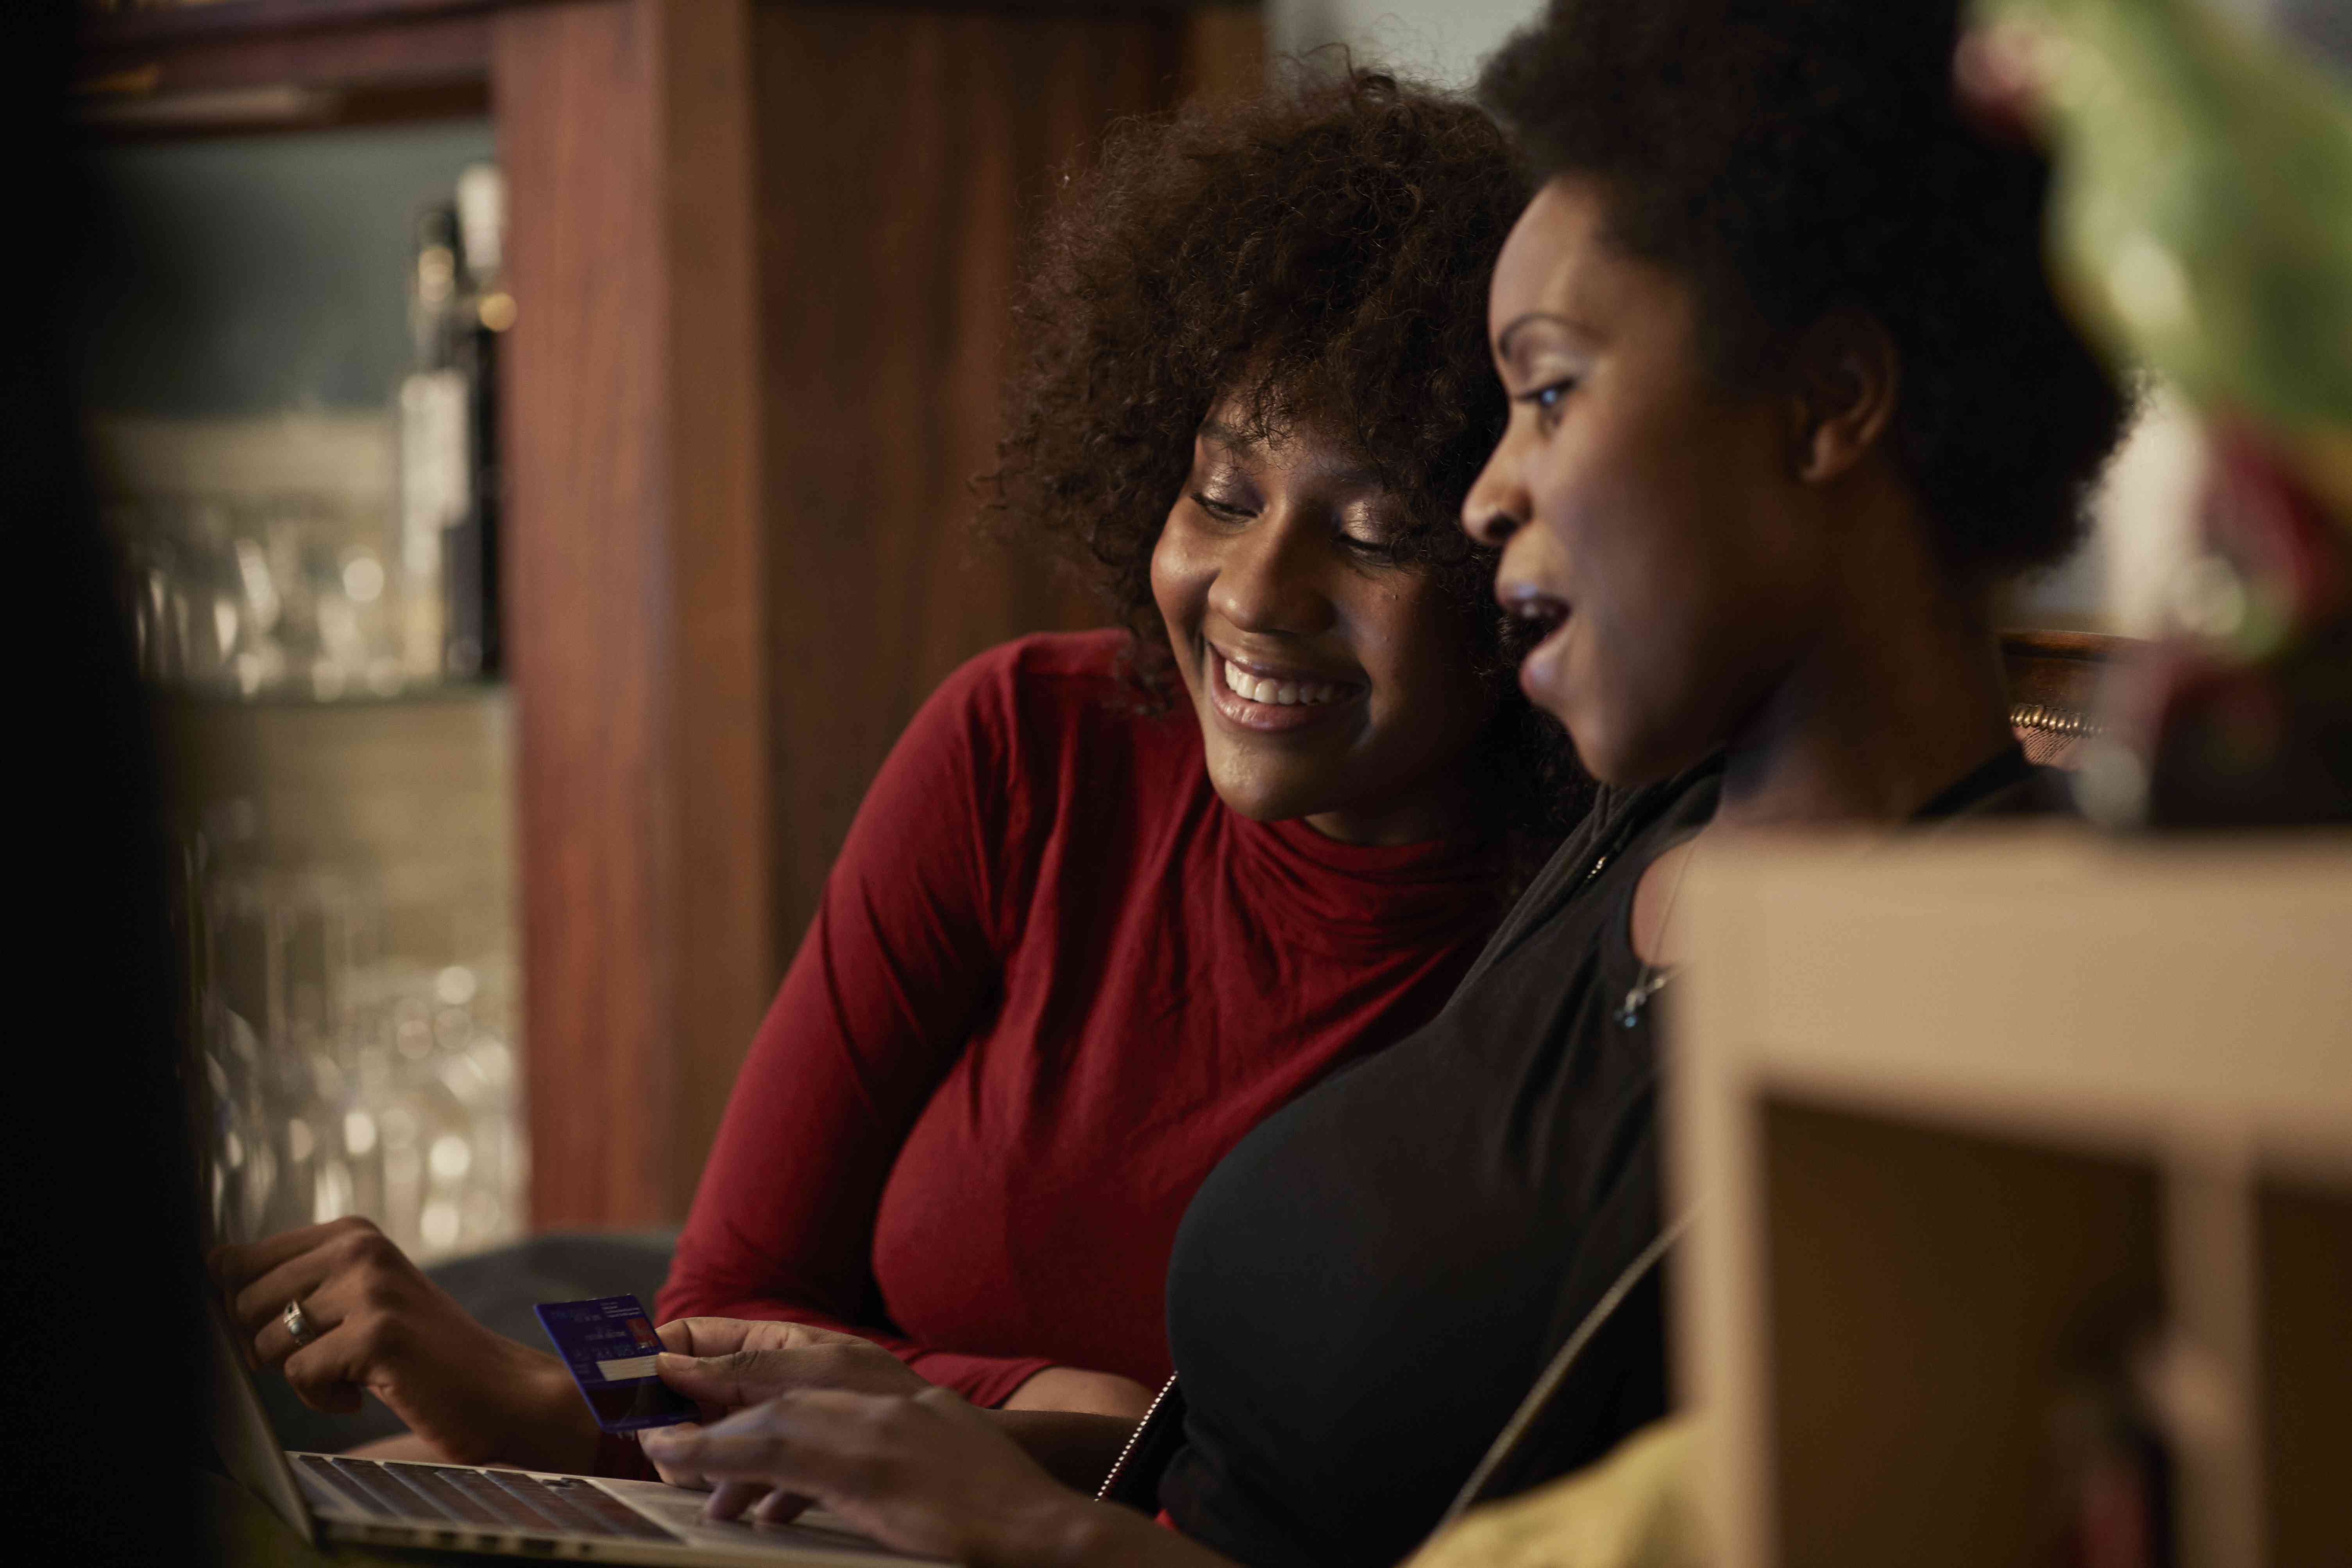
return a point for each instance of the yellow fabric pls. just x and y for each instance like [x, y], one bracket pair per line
[1636, 1508]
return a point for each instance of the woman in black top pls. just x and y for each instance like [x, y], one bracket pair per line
[1789, 396]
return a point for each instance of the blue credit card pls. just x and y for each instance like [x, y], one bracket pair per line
[609, 1344]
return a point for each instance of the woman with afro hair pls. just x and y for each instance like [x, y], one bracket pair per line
[1116, 896]
[1789, 396]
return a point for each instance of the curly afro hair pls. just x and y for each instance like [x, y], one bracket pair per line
[1321, 254]
[1793, 157]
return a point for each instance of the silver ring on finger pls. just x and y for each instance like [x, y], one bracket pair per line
[297, 1323]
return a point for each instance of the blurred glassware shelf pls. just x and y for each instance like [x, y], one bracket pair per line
[197, 702]
[349, 907]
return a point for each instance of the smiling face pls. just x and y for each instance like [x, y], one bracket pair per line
[1653, 520]
[1332, 680]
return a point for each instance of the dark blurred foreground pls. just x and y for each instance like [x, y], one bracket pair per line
[94, 1244]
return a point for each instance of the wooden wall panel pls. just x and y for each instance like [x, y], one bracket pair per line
[584, 598]
[904, 154]
[719, 738]
[761, 259]
[635, 638]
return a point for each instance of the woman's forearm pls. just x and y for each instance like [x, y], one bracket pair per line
[985, 1381]
[1087, 1393]
[1076, 1450]
[530, 1416]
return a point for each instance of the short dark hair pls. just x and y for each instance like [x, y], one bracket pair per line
[1323, 251]
[1791, 157]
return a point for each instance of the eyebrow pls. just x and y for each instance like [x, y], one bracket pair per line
[1240, 443]
[1224, 435]
[1503, 338]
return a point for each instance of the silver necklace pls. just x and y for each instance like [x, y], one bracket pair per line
[1654, 978]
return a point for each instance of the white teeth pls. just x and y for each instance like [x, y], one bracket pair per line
[1278, 693]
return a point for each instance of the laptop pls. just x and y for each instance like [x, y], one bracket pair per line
[468, 1508]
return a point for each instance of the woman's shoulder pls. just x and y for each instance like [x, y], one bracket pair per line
[1051, 666]
[1049, 737]
[1097, 656]
[1051, 690]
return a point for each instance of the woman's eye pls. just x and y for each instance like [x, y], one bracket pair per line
[1374, 550]
[1547, 400]
[1223, 510]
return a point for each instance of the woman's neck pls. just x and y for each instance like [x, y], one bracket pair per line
[1440, 809]
[1901, 694]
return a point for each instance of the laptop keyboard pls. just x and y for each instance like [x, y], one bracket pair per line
[499, 1499]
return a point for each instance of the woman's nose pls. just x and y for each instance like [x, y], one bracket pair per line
[1268, 579]
[1497, 505]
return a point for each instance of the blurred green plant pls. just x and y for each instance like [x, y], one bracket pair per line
[2201, 220]
[2200, 229]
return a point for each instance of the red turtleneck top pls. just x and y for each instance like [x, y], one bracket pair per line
[1051, 980]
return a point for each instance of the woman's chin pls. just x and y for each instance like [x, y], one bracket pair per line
[1272, 778]
[1613, 745]
[1259, 802]
[1545, 685]
[1624, 756]
[1607, 749]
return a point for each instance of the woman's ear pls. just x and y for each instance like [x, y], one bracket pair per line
[1847, 375]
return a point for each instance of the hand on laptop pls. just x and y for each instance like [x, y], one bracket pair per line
[372, 1323]
[726, 1364]
[736, 1362]
[729, 1362]
[924, 1473]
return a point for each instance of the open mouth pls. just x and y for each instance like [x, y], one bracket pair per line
[1259, 696]
[1534, 616]
[1282, 691]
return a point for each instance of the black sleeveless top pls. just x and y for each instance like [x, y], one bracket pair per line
[1366, 1287]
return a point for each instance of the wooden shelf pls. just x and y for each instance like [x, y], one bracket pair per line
[154, 26]
[1955, 1111]
[382, 50]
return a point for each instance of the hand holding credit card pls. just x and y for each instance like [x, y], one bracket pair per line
[609, 1346]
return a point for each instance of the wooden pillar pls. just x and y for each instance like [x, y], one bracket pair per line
[761, 258]
[636, 615]
[906, 152]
